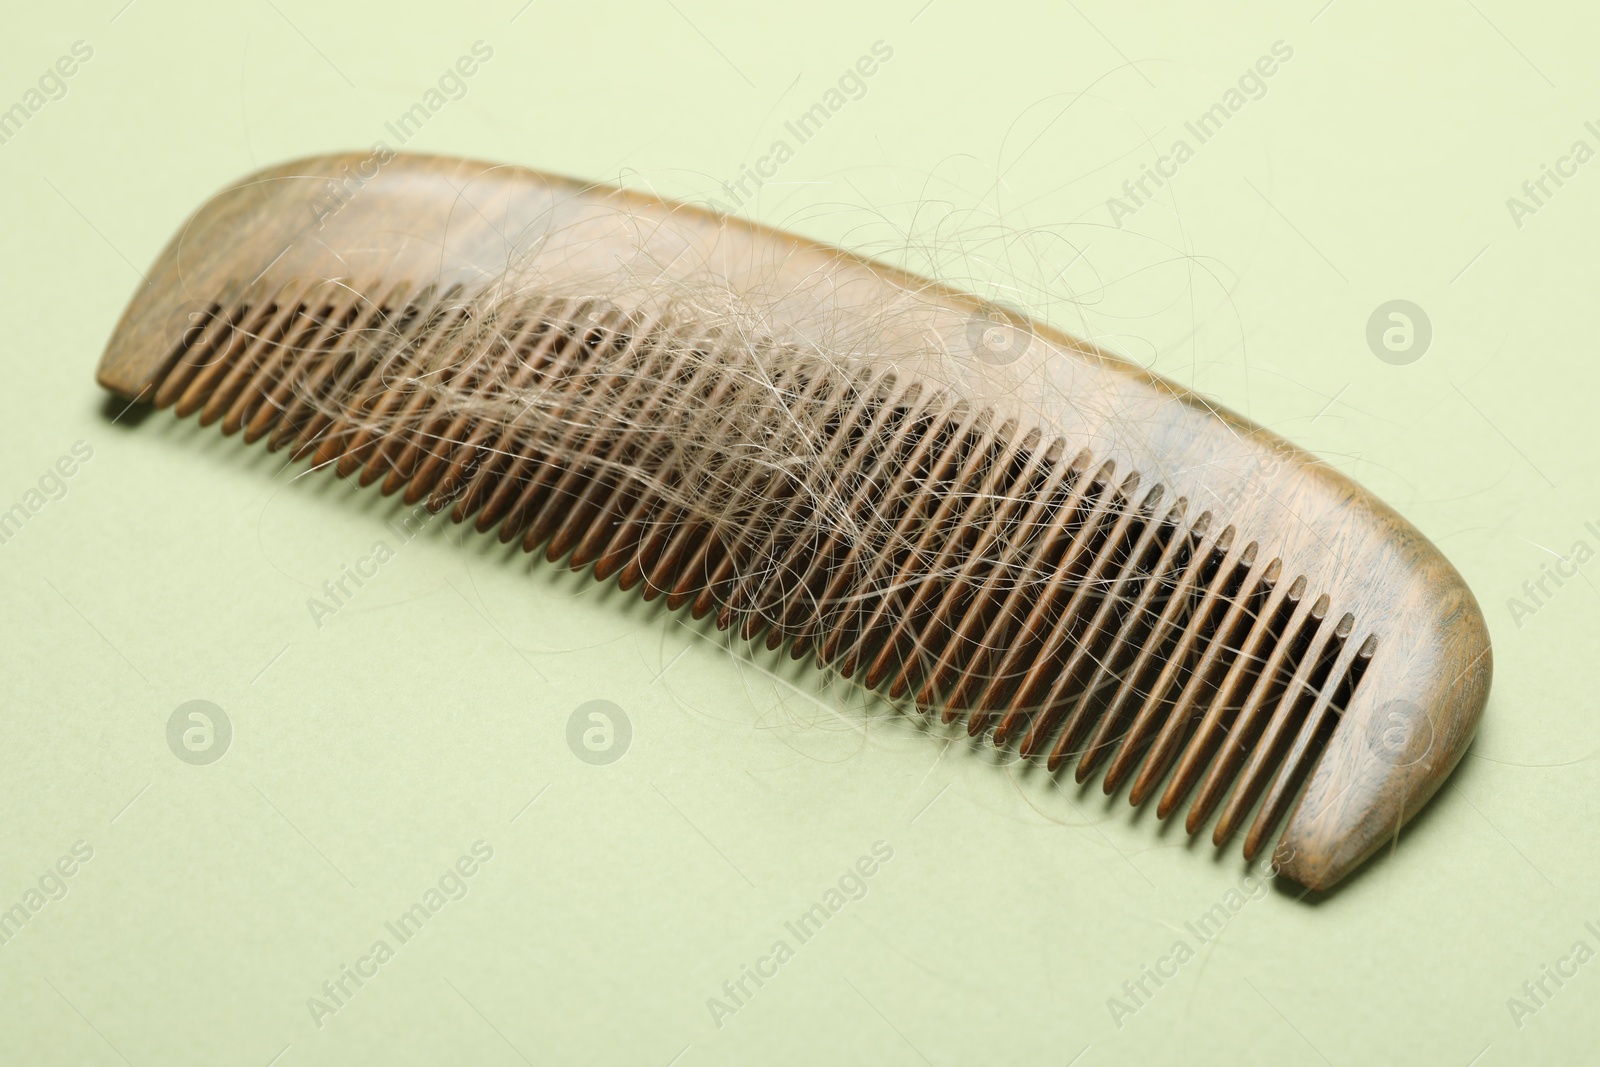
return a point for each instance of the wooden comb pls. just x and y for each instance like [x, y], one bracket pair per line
[996, 520]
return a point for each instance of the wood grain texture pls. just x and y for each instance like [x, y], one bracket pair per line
[1204, 610]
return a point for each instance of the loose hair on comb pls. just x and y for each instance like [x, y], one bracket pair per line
[923, 493]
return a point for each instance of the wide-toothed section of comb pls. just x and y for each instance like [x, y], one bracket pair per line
[985, 569]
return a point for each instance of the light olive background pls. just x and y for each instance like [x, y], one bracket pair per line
[427, 714]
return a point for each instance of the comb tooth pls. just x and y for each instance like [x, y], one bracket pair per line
[613, 548]
[1291, 769]
[1230, 569]
[204, 379]
[508, 497]
[1244, 592]
[806, 607]
[1260, 762]
[1080, 505]
[1178, 587]
[1262, 625]
[535, 478]
[1066, 702]
[877, 587]
[923, 559]
[599, 502]
[660, 567]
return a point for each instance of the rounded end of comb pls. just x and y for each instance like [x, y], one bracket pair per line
[1410, 722]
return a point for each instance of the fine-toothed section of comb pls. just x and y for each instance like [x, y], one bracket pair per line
[263, 348]
[483, 441]
[210, 344]
[490, 466]
[1264, 627]
[885, 528]
[1159, 616]
[597, 483]
[801, 532]
[1009, 567]
[924, 535]
[1186, 683]
[364, 325]
[696, 547]
[646, 522]
[461, 365]
[1070, 707]
[636, 361]
[757, 531]
[1317, 708]
[1262, 723]
[360, 416]
[862, 578]
[1071, 558]
[998, 517]
[523, 502]
[878, 497]
[1071, 615]
[327, 317]
[329, 434]
[224, 398]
